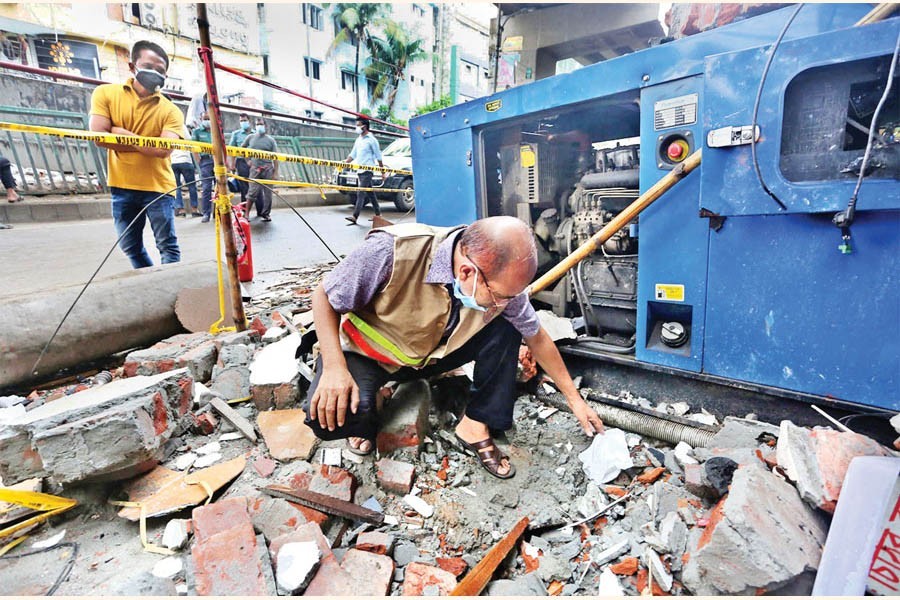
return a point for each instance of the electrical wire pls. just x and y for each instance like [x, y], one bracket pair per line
[67, 569]
[849, 213]
[103, 262]
[759, 91]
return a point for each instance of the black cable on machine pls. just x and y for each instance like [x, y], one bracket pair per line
[762, 83]
[844, 218]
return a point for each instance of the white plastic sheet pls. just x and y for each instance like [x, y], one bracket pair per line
[606, 456]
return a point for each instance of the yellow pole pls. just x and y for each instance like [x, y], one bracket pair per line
[617, 223]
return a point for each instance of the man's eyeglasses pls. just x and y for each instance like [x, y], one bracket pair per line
[498, 300]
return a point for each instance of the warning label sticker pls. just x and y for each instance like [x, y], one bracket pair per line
[675, 112]
[670, 291]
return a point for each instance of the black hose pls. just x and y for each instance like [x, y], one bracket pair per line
[67, 569]
[762, 83]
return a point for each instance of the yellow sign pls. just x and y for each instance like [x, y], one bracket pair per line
[670, 291]
[526, 156]
[493, 105]
[513, 43]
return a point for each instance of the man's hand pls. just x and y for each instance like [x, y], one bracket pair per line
[330, 402]
[589, 420]
[120, 131]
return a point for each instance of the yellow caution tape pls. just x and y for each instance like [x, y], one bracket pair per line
[189, 145]
[148, 547]
[48, 504]
[237, 400]
[12, 544]
[206, 487]
[320, 186]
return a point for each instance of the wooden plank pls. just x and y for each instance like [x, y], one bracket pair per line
[473, 583]
[232, 416]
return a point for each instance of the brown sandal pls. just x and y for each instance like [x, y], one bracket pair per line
[489, 455]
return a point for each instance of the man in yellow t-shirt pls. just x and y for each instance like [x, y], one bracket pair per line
[140, 179]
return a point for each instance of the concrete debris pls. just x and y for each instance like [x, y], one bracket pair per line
[419, 577]
[113, 431]
[196, 352]
[273, 334]
[658, 570]
[207, 460]
[176, 534]
[274, 375]
[404, 420]
[742, 433]
[210, 448]
[184, 462]
[607, 456]
[395, 476]
[232, 416]
[526, 585]
[817, 460]
[609, 585]
[10, 401]
[683, 454]
[168, 568]
[418, 505]
[230, 437]
[760, 537]
[295, 565]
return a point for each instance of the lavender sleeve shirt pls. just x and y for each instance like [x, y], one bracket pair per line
[356, 280]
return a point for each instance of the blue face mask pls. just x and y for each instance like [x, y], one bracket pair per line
[245, 125]
[467, 301]
[260, 129]
[204, 123]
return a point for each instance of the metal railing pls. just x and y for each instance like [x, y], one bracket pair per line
[50, 165]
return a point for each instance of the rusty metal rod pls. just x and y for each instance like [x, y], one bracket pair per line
[218, 143]
[325, 504]
[617, 223]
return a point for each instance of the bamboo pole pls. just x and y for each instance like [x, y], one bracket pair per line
[218, 143]
[879, 13]
[481, 574]
[617, 223]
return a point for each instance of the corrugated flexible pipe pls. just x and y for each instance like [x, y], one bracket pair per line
[643, 424]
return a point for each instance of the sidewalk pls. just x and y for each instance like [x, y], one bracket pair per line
[80, 207]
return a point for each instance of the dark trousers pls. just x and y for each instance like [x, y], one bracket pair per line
[6, 176]
[184, 174]
[495, 350]
[259, 194]
[243, 169]
[365, 180]
[209, 183]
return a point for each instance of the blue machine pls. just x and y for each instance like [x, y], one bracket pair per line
[718, 278]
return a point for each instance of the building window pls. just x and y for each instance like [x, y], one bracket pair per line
[421, 83]
[312, 65]
[348, 81]
[314, 114]
[418, 11]
[313, 16]
[412, 78]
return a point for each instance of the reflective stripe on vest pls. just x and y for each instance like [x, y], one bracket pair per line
[357, 338]
[364, 328]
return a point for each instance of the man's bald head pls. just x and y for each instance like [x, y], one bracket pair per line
[501, 245]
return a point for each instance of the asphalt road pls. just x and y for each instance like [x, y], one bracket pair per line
[41, 256]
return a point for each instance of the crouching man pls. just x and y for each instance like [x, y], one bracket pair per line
[415, 301]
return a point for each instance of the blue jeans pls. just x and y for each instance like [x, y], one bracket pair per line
[184, 174]
[206, 173]
[126, 205]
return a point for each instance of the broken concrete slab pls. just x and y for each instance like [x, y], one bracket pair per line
[275, 517]
[661, 575]
[109, 432]
[395, 476]
[274, 375]
[193, 351]
[404, 420]
[817, 460]
[226, 553]
[742, 433]
[286, 435]
[760, 537]
[233, 417]
[526, 585]
[163, 491]
[418, 577]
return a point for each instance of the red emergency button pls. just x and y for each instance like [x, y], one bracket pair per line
[677, 150]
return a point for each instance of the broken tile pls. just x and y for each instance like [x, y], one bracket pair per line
[164, 491]
[358, 574]
[419, 576]
[264, 465]
[395, 476]
[375, 541]
[286, 435]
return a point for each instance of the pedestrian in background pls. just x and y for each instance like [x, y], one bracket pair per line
[9, 182]
[185, 174]
[238, 164]
[365, 152]
[140, 178]
[261, 168]
[203, 134]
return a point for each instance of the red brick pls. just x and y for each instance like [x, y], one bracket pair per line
[643, 578]
[227, 564]
[257, 325]
[453, 565]
[360, 574]
[419, 576]
[374, 541]
[651, 475]
[277, 319]
[160, 414]
[388, 441]
[274, 517]
[215, 518]
[628, 566]
[187, 394]
[395, 476]
[614, 490]
[331, 481]
[205, 423]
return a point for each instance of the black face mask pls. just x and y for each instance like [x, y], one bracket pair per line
[150, 79]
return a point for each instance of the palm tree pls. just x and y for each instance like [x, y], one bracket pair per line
[355, 20]
[391, 56]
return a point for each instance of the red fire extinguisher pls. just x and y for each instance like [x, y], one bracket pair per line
[241, 227]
